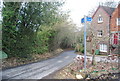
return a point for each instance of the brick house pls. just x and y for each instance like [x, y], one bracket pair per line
[100, 30]
[115, 30]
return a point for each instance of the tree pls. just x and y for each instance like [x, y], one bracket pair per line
[10, 13]
[65, 35]
[23, 21]
[109, 3]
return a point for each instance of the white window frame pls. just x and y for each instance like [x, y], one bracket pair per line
[118, 21]
[100, 19]
[103, 47]
[100, 33]
[119, 36]
[112, 38]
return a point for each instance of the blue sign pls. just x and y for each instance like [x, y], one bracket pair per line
[82, 20]
[87, 18]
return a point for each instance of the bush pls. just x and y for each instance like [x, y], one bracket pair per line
[79, 48]
[43, 40]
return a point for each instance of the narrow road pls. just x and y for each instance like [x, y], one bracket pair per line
[40, 69]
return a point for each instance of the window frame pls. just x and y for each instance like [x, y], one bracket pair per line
[100, 19]
[118, 21]
[100, 33]
[103, 48]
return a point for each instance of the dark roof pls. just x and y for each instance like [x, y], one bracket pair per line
[109, 10]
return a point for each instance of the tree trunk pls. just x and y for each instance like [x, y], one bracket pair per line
[93, 58]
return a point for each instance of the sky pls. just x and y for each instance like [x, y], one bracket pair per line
[79, 8]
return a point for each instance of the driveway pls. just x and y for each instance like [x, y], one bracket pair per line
[40, 69]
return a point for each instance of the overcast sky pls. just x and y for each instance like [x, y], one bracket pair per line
[79, 8]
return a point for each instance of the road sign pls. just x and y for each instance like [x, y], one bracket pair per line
[87, 19]
[84, 20]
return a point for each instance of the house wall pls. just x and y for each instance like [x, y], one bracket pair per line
[119, 29]
[115, 15]
[114, 29]
[104, 26]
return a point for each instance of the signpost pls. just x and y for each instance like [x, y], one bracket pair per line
[84, 20]
[87, 19]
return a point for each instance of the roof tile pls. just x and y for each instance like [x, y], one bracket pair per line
[108, 10]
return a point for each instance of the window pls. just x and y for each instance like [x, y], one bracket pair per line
[118, 21]
[100, 19]
[103, 48]
[100, 33]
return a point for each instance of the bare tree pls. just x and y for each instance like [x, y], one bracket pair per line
[66, 35]
[109, 3]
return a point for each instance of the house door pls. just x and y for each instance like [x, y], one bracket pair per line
[103, 47]
[115, 38]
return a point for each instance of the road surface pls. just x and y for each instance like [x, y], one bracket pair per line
[40, 69]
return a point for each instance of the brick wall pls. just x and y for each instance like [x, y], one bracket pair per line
[104, 26]
[113, 24]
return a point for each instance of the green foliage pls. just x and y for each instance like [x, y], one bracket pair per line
[10, 16]
[27, 26]
[64, 43]
[79, 48]
[42, 40]
[65, 35]
[35, 28]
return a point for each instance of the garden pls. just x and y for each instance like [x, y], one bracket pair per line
[107, 69]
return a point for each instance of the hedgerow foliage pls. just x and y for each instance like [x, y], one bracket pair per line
[26, 27]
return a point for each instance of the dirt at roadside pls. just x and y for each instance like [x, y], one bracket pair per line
[103, 71]
[61, 74]
[13, 62]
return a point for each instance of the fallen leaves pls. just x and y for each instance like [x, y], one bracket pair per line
[12, 62]
[101, 70]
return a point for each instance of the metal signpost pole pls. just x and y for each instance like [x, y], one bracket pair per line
[85, 19]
